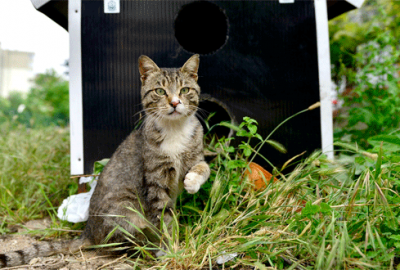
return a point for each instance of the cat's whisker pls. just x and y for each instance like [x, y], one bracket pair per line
[146, 112]
[198, 108]
[143, 118]
[200, 111]
[153, 118]
[140, 114]
[201, 118]
[150, 116]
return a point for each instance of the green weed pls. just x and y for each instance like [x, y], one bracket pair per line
[34, 173]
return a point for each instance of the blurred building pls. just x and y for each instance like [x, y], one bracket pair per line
[16, 71]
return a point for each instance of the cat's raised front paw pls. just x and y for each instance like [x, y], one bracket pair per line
[192, 182]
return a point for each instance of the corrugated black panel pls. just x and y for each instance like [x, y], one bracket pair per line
[267, 69]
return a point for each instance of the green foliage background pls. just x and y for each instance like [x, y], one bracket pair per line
[351, 29]
[47, 103]
[365, 52]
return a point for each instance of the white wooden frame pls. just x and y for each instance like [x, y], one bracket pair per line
[75, 87]
[324, 74]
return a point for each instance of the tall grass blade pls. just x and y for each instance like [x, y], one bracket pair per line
[378, 167]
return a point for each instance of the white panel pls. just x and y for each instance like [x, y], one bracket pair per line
[356, 3]
[75, 86]
[324, 70]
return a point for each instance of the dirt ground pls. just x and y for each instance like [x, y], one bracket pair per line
[84, 260]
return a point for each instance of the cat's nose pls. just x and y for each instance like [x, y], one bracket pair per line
[175, 103]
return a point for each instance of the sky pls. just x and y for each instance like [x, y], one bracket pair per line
[23, 28]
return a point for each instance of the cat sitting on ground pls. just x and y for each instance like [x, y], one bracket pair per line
[148, 170]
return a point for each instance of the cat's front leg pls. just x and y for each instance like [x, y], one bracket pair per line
[196, 176]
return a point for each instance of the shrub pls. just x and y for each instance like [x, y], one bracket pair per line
[47, 103]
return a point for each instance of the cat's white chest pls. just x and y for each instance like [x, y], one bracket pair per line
[177, 138]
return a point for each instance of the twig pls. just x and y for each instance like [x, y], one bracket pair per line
[362, 204]
[84, 175]
[65, 230]
[114, 261]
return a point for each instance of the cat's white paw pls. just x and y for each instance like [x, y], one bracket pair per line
[192, 182]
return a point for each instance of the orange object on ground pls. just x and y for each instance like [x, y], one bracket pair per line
[255, 175]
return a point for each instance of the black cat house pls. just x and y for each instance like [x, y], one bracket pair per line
[262, 59]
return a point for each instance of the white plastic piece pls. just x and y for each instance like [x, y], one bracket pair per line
[111, 6]
[286, 1]
[75, 208]
[226, 258]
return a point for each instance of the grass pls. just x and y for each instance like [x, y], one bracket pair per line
[317, 217]
[322, 215]
[33, 162]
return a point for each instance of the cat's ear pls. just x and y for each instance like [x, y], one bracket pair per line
[146, 67]
[192, 66]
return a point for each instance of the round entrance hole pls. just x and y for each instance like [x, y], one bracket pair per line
[201, 27]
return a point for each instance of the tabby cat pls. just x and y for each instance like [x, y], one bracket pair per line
[148, 170]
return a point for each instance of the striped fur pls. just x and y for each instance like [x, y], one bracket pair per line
[24, 256]
[148, 170]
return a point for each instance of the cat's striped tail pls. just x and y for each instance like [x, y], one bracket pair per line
[42, 249]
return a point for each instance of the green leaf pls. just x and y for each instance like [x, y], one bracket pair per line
[247, 152]
[246, 149]
[395, 237]
[359, 160]
[347, 146]
[222, 215]
[233, 164]
[378, 167]
[310, 210]
[258, 136]
[386, 138]
[243, 133]
[230, 125]
[277, 146]
[99, 165]
[249, 120]
[253, 129]
[230, 149]
[325, 208]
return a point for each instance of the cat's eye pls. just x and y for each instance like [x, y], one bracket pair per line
[184, 90]
[160, 91]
